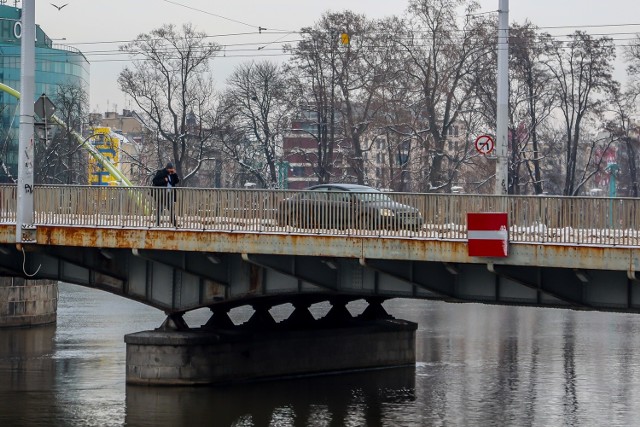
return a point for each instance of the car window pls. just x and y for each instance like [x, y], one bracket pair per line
[316, 195]
[319, 194]
[373, 196]
[339, 196]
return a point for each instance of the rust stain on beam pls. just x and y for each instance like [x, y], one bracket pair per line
[198, 241]
[451, 251]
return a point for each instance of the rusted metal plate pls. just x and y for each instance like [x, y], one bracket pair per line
[7, 233]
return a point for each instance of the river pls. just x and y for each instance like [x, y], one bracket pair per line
[478, 365]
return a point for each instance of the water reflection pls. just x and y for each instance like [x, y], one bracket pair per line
[356, 399]
[477, 365]
[27, 372]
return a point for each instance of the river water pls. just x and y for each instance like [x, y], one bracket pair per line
[478, 365]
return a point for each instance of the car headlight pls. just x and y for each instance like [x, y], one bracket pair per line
[386, 212]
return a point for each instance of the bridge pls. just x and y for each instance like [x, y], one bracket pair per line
[230, 247]
[263, 248]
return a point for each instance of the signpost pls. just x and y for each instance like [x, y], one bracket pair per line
[487, 234]
[44, 109]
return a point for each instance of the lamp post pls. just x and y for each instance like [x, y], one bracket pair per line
[25, 228]
[502, 111]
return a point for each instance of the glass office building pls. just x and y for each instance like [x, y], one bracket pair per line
[55, 65]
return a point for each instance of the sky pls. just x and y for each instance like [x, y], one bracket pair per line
[97, 28]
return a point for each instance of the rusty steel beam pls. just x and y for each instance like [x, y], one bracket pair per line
[619, 258]
[178, 270]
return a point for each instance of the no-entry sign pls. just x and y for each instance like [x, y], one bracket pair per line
[487, 234]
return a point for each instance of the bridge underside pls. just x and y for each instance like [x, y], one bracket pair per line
[177, 281]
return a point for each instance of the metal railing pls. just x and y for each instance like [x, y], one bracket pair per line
[8, 203]
[532, 219]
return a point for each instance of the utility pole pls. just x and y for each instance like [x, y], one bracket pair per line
[502, 113]
[25, 228]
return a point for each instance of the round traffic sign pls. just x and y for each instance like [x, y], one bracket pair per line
[485, 144]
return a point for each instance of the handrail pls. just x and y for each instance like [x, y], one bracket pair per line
[599, 221]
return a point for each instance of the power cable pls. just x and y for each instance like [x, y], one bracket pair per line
[286, 32]
[258, 27]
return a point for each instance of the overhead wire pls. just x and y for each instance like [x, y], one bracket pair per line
[262, 48]
[209, 13]
[260, 28]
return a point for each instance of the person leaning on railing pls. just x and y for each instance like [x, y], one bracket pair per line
[168, 178]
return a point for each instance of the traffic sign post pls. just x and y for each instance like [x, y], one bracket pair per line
[44, 109]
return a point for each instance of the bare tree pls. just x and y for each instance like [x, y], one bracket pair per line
[342, 56]
[626, 131]
[399, 126]
[7, 134]
[444, 56]
[533, 81]
[169, 81]
[361, 72]
[256, 105]
[582, 68]
[60, 158]
[314, 97]
[629, 99]
[632, 56]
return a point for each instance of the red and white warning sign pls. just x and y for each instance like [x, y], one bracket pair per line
[485, 144]
[488, 234]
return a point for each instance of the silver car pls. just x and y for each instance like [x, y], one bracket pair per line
[347, 206]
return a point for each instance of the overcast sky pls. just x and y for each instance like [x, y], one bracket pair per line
[94, 26]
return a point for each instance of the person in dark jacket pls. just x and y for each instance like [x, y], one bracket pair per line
[168, 178]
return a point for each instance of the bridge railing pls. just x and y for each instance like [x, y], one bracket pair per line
[7, 203]
[534, 219]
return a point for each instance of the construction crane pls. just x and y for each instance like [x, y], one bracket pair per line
[83, 142]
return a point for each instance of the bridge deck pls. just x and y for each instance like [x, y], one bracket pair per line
[232, 245]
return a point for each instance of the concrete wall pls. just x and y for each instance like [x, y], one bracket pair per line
[199, 357]
[27, 302]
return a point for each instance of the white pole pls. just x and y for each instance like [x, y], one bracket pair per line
[25, 230]
[502, 118]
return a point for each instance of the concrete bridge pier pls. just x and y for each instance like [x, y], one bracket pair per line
[221, 352]
[27, 302]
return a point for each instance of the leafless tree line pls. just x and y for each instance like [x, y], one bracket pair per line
[397, 105]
